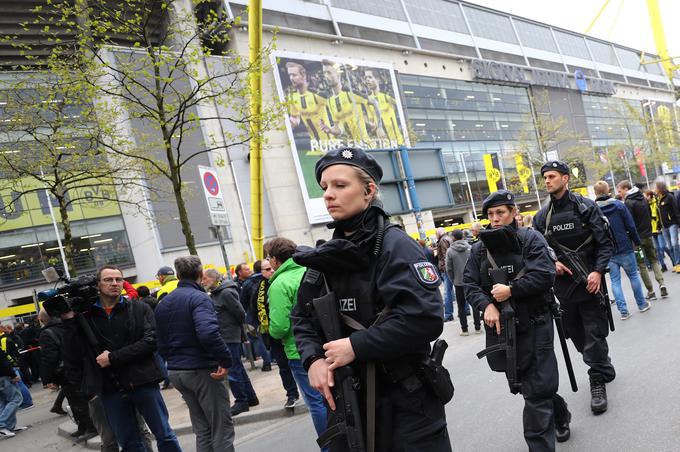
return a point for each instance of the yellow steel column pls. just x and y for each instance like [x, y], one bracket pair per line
[660, 38]
[256, 186]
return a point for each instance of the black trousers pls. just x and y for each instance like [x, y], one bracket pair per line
[540, 381]
[460, 301]
[79, 406]
[404, 422]
[279, 355]
[586, 324]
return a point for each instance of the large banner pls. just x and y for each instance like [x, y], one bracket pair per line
[335, 102]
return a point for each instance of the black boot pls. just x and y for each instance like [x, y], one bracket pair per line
[562, 430]
[598, 393]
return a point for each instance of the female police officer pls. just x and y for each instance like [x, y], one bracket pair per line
[529, 276]
[388, 298]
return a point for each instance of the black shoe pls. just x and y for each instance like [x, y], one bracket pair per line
[254, 402]
[266, 367]
[88, 434]
[77, 433]
[57, 410]
[239, 408]
[598, 393]
[562, 430]
[291, 402]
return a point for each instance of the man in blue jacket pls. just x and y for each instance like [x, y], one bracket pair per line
[188, 337]
[625, 234]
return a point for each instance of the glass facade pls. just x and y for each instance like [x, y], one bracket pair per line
[390, 9]
[535, 36]
[486, 24]
[602, 53]
[572, 45]
[469, 120]
[437, 14]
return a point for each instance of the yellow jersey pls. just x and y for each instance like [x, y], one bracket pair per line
[350, 111]
[388, 117]
[311, 108]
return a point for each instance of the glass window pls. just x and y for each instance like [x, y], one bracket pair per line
[628, 58]
[535, 36]
[653, 68]
[438, 14]
[390, 9]
[572, 45]
[490, 25]
[603, 53]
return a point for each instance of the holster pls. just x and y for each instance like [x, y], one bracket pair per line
[437, 378]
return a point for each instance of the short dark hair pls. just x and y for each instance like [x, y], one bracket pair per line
[188, 267]
[281, 248]
[624, 184]
[143, 291]
[257, 266]
[457, 234]
[238, 268]
[107, 267]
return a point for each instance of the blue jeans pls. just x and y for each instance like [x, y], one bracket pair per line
[449, 296]
[25, 393]
[661, 249]
[120, 412]
[629, 264]
[260, 349]
[239, 382]
[670, 235]
[313, 398]
[10, 399]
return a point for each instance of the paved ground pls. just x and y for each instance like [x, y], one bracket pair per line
[484, 416]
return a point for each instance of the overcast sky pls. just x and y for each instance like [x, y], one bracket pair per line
[632, 28]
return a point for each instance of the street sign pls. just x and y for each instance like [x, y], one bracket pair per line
[213, 196]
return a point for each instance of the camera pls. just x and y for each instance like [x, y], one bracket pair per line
[76, 295]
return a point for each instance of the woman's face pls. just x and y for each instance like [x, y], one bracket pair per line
[343, 192]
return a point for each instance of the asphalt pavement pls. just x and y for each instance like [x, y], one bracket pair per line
[643, 410]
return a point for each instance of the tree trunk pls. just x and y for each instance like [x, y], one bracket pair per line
[184, 218]
[68, 235]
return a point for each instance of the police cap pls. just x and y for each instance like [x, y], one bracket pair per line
[555, 165]
[498, 198]
[349, 156]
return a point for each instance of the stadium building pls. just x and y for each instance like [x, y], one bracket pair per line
[496, 92]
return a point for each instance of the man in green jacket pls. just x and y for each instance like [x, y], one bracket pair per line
[282, 293]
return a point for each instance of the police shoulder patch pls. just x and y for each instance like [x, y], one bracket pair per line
[426, 273]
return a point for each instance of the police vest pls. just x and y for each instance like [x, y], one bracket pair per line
[513, 263]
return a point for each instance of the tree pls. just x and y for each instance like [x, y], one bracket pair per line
[50, 145]
[175, 76]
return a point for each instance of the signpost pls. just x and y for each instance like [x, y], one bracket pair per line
[216, 207]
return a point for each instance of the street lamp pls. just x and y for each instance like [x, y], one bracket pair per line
[650, 104]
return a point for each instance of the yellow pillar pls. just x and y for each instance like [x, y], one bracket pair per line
[256, 186]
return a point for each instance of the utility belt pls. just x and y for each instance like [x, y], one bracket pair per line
[425, 372]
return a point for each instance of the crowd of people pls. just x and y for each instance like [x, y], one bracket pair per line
[350, 321]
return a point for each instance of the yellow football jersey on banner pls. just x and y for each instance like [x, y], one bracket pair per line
[350, 111]
[310, 107]
[388, 116]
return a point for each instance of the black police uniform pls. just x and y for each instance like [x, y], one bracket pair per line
[576, 222]
[378, 270]
[536, 361]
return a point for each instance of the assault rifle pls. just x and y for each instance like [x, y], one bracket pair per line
[349, 423]
[508, 338]
[580, 274]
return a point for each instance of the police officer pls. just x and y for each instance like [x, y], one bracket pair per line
[531, 272]
[388, 292]
[575, 225]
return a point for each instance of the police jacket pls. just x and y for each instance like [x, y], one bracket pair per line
[188, 332]
[621, 222]
[576, 223]
[6, 368]
[10, 348]
[532, 267]
[51, 355]
[641, 212]
[394, 279]
[230, 313]
[128, 333]
[668, 210]
[169, 284]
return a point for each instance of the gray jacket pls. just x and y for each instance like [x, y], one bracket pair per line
[456, 258]
[230, 313]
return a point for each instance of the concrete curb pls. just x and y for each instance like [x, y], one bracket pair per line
[267, 414]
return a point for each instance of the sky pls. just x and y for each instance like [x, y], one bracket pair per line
[632, 28]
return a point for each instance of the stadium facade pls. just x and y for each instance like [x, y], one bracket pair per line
[480, 84]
